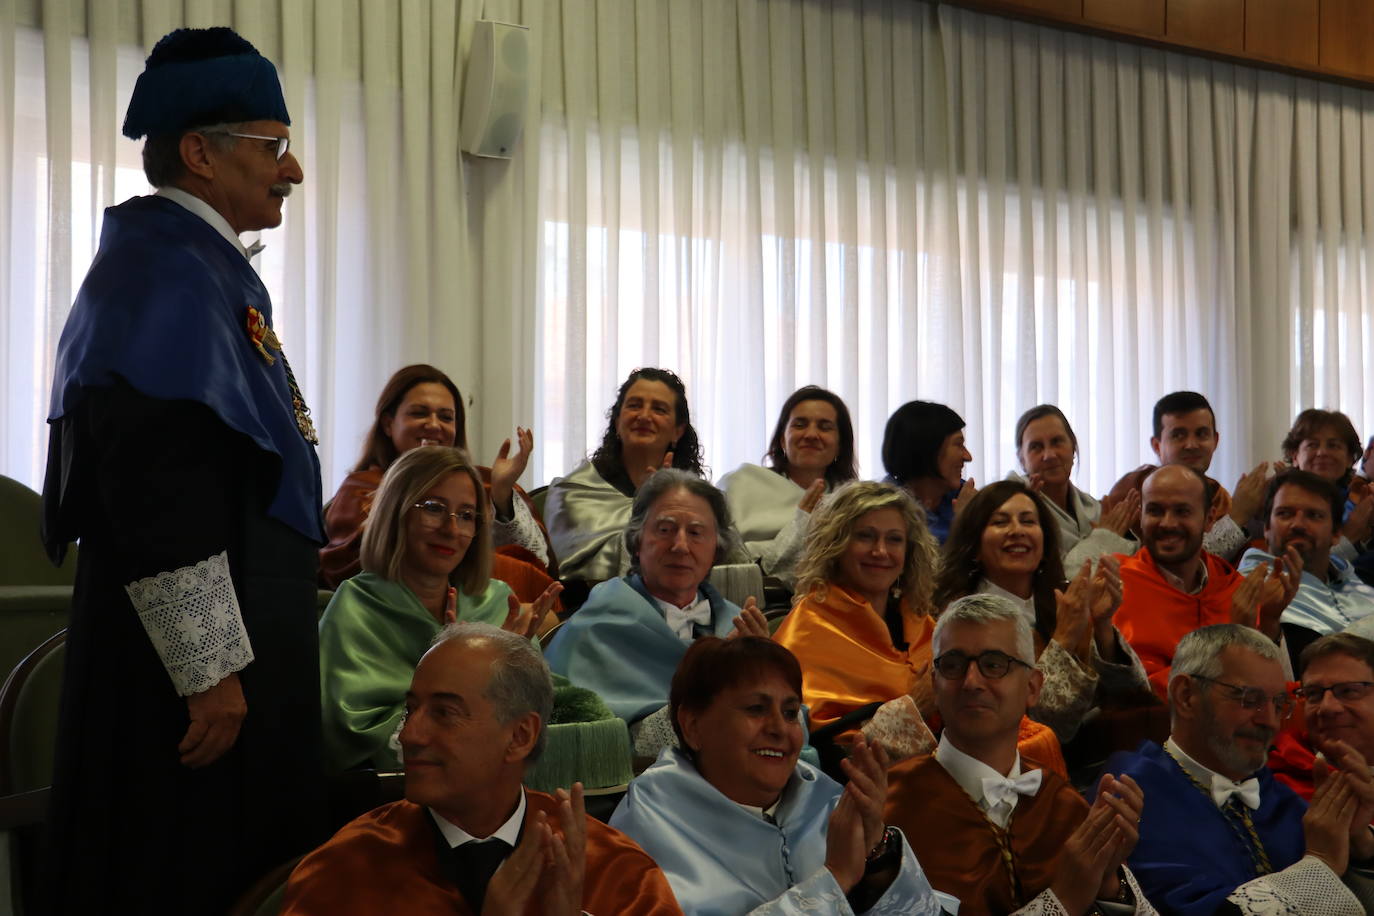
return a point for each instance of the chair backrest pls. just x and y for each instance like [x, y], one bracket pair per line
[28, 718]
[23, 561]
[738, 582]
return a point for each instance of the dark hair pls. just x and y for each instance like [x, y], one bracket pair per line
[665, 481]
[961, 569]
[1315, 484]
[913, 437]
[1310, 422]
[1039, 413]
[686, 451]
[1178, 402]
[378, 449]
[712, 665]
[1357, 647]
[844, 468]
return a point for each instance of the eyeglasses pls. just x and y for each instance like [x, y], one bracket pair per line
[283, 143]
[434, 514]
[1345, 691]
[1252, 697]
[991, 664]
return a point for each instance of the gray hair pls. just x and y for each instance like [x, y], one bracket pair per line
[662, 483]
[981, 608]
[162, 164]
[1199, 653]
[520, 682]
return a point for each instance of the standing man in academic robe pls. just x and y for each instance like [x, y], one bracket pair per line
[469, 838]
[989, 826]
[182, 455]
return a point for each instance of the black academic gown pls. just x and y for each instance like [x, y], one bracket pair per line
[150, 485]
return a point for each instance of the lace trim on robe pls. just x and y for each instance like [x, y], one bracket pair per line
[521, 530]
[192, 617]
[899, 728]
[1305, 888]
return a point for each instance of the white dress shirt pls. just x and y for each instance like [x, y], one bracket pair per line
[457, 836]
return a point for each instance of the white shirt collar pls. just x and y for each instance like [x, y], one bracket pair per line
[210, 215]
[457, 836]
[969, 771]
[1196, 770]
[1027, 605]
[768, 814]
[1177, 583]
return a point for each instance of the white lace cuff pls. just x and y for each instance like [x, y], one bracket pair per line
[1066, 693]
[192, 617]
[897, 725]
[653, 733]
[1225, 539]
[1305, 888]
[521, 530]
[1043, 904]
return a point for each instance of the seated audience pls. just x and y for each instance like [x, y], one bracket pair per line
[991, 825]
[1337, 702]
[1185, 432]
[426, 558]
[649, 427]
[627, 640]
[862, 620]
[1325, 443]
[1220, 834]
[1005, 542]
[1047, 448]
[740, 825]
[811, 453]
[1300, 511]
[924, 452]
[420, 405]
[469, 838]
[1173, 586]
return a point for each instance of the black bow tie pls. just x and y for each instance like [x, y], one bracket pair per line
[471, 865]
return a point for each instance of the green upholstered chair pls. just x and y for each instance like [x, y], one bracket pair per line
[35, 596]
[23, 560]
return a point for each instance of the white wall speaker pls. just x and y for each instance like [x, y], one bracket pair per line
[495, 89]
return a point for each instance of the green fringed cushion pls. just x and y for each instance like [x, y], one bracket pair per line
[596, 753]
[578, 704]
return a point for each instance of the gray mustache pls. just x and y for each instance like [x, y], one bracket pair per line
[281, 189]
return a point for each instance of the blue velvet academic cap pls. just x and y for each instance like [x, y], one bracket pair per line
[198, 77]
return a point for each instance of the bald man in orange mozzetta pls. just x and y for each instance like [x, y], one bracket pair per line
[1173, 586]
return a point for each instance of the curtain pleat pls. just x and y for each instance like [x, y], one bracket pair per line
[891, 199]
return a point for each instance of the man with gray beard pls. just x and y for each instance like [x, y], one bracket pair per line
[1219, 834]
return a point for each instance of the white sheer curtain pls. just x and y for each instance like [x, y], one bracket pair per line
[370, 269]
[897, 200]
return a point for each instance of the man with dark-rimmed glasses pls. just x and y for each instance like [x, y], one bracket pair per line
[999, 831]
[1337, 695]
[1219, 833]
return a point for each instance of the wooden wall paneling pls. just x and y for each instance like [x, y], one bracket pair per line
[1284, 31]
[1067, 10]
[1140, 17]
[1216, 25]
[1346, 37]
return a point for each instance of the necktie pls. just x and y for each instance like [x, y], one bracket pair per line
[471, 865]
[1000, 789]
[1223, 789]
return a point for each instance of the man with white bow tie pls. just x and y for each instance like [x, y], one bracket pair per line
[1220, 834]
[989, 826]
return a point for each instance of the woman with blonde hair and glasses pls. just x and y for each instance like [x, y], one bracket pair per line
[862, 622]
[426, 561]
